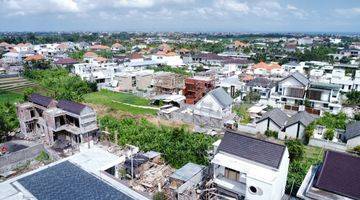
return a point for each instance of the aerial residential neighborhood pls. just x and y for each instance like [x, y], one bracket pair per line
[184, 100]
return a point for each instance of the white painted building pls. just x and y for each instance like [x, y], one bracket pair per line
[249, 168]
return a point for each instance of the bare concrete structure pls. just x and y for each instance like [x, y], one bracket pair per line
[168, 83]
[63, 121]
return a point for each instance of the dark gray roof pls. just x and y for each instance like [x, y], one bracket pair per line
[222, 97]
[300, 77]
[302, 116]
[352, 130]
[261, 82]
[276, 115]
[66, 181]
[253, 149]
[339, 174]
[71, 106]
[40, 99]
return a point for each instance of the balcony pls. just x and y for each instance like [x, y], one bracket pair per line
[234, 186]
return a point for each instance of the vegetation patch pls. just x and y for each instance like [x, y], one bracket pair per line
[178, 145]
[302, 157]
[60, 84]
[10, 97]
[242, 111]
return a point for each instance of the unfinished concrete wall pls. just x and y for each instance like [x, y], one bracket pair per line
[14, 159]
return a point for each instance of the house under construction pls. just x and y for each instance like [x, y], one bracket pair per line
[197, 87]
[168, 83]
[61, 122]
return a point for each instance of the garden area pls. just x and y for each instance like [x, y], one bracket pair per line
[178, 145]
[242, 111]
[120, 102]
[301, 158]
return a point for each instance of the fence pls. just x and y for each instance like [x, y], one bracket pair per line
[8, 161]
[327, 144]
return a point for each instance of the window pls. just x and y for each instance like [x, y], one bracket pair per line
[232, 174]
[253, 189]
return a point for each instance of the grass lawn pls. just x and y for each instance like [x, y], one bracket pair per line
[11, 97]
[107, 98]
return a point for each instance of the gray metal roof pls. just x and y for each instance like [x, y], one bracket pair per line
[187, 171]
[222, 97]
[302, 116]
[276, 115]
[65, 181]
[253, 149]
[300, 77]
[352, 130]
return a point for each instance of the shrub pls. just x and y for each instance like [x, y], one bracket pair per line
[329, 134]
[296, 149]
[309, 131]
[42, 157]
[271, 133]
[159, 196]
[356, 150]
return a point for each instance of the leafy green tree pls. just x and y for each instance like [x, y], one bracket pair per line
[296, 149]
[177, 145]
[353, 97]
[78, 55]
[60, 84]
[252, 97]
[8, 119]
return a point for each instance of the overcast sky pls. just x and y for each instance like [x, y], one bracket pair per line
[181, 15]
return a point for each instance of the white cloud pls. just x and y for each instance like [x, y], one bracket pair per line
[232, 5]
[348, 12]
[135, 3]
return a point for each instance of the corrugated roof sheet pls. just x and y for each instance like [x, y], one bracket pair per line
[253, 149]
[187, 171]
[339, 174]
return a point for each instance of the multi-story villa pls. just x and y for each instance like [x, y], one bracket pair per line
[296, 92]
[63, 120]
[249, 168]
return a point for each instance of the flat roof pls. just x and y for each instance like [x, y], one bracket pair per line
[68, 181]
[187, 171]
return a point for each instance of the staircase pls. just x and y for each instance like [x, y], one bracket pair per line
[15, 84]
